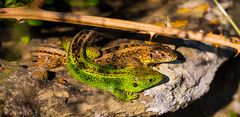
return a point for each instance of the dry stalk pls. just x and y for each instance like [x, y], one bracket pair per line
[26, 12]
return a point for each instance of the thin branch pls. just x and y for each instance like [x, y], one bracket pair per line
[22, 13]
[227, 16]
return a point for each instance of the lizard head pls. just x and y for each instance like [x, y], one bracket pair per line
[144, 78]
[162, 54]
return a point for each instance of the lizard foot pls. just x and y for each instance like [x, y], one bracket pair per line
[131, 96]
[125, 96]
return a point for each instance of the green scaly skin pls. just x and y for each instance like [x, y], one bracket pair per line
[124, 83]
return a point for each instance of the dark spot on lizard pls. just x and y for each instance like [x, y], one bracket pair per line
[129, 53]
[119, 56]
[108, 51]
[162, 54]
[113, 58]
[123, 54]
[51, 75]
[132, 45]
[66, 101]
[108, 60]
[81, 64]
[151, 56]
[125, 46]
[24, 66]
[116, 47]
[34, 61]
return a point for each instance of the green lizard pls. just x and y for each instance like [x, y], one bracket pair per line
[124, 83]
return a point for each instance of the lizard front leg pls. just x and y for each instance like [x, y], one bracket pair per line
[123, 95]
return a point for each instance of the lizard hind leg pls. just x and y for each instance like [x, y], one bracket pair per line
[93, 52]
[133, 62]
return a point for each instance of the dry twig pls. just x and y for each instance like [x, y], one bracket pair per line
[36, 13]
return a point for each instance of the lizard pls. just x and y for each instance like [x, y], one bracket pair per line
[53, 57]
[121, 52]
[124, 83]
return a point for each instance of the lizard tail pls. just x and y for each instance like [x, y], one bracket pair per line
[78, 47]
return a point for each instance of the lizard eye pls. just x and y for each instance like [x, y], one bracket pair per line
[151, 56]
[135, 84]
[150, 80]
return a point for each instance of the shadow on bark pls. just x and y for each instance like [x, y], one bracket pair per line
[222, 90]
